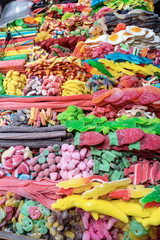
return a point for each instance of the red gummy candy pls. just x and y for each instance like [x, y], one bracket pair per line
[129, 135]
[23, 168]
[120, 193]
[90, 139]
[150, 142]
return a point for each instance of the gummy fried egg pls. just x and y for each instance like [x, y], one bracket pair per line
[116, 38]
[136, 31]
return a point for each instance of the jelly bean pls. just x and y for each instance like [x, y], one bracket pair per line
[35, 232]
[19, 228]
[34, 212]
[27, 224]
[45, 211]
[137, 228]
[42, 226]
[2, 214]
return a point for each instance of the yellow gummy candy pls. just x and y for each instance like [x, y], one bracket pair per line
[131, 208]
[139, 191]
[154, 219]
[20, 218]
[72, 183]
[105, 188]
[99, 206]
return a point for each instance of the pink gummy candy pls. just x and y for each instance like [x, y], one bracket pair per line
[71, 165]
[57, 159]
[37, 168]
[76, 155]
[83, 153]
[65, 147]
[71, 148]
[46, 172]
[53, 176]
[53, 168]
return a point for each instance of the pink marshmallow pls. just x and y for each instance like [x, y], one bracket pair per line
[67, 155]
[54, 176]
[83, 153]
[44, 166]
[75, 172]
[59, 165]
[85, 161]
[64, 167]
[37, 168]
[70, 176]
[57, 159]
[90, 163]
[71, 165]
[78, 175]
[88, 153]
[47, 172]
[53, 168]
[82, 166]
[64, 147]
[90, 172]
[65, 160]
[75, 161]
[76, 155]
[64, 175]
[85, 174]
[71, 148]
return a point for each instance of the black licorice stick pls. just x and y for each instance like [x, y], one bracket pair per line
[33, 143]
[9, 129]
[30, 136]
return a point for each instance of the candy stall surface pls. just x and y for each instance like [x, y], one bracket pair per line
[80, 122]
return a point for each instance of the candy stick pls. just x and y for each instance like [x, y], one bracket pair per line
[36, 114]
[38, 120]
[42, 119]
[27, 136]
[49, 111]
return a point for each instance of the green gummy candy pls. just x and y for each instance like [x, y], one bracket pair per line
[42, 226]
[26, 205]
[2, 215]
[137, 228]
[116, 175]
[96, 167]
[96, 152]
[125, 162]
[41, 159]
[45, 152]
[107, 166]
[113, 139]
[19, 228]
[109, 156]
[56, 147]
[27, 224]
[134, 159]
[44, 210]
[126, 235]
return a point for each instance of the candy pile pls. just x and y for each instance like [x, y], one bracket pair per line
[65, 225]
[61, 163]
[14, 83]
[69, 67]
[48, 86]
[135, 17]
[80, 149]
